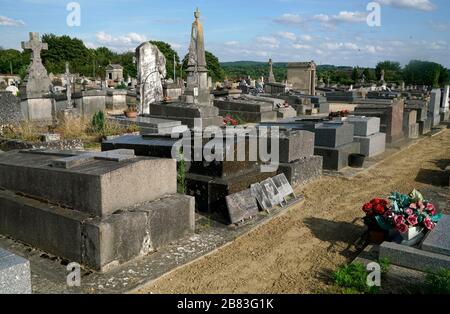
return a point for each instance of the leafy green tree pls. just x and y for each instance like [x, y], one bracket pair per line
[169, 53]
[418, 72]
[356, 75]
[62, 49]
[392, 71]
[215, 70]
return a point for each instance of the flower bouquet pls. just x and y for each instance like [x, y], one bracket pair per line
[407, 214]
[229, 121]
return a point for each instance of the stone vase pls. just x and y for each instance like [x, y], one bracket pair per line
[411, 233]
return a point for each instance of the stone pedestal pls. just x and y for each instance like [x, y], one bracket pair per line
[37, 109]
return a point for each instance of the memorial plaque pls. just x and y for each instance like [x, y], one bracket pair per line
[261, 196]
[272, 193]
[283, 186]
[241, 206]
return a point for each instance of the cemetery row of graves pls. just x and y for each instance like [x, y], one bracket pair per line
[191, 165]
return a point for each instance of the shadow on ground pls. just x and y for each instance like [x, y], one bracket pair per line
[433, 177]
[335, 232]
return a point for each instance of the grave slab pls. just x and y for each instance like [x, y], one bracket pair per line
[242, 206]
[90, 185]
[438, 239]
[410, 257]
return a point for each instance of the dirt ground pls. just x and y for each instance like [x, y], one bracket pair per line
[297, 252]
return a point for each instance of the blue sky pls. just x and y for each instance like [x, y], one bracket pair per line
[328, 32]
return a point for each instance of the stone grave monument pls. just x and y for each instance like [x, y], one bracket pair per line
[97, 209]
[194, 108]
[445, 110]
[36, 102]
[434, 108]
[367, 133]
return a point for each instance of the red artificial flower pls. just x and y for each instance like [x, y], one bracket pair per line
[379, 209]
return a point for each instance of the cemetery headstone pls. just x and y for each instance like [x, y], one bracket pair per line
[241, 206]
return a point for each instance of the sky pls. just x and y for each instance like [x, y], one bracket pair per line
[326, 31]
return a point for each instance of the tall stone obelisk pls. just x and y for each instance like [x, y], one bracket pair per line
[197, 72]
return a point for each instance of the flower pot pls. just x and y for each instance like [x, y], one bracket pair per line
[356, 160]
[412, 233]
[377, 236]
[131, 114]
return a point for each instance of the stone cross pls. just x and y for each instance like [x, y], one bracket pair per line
[36, 46]
[69, 78]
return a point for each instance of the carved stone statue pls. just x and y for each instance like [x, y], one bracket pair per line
[151, 70]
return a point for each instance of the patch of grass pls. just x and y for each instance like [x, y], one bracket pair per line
[384, 264]
[353, 279]
[24, 131]
[133, 128]
[92, 146]
[72, 128]
[438, 282]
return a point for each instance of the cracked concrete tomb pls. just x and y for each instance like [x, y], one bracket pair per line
[96, 209]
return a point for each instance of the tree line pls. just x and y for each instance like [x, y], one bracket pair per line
[93, 63]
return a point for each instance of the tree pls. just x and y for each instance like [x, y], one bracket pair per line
[62, 49]
[392, 71]
[215, 70]
[169, 53]
[356, 75]
[418, 72]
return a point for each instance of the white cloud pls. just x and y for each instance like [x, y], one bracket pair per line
[342, 17]
[289, 18]
[306, 37]
[7, 21]
[423, 5]
[301, 46]
[120, 42]
[288, 36]
[268, 41]
[232, 43]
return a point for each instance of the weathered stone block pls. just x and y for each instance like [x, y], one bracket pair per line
[425, 126]
[15, 277]
[410, 257]
[98, 187]
[303, 170]
[333, 134]
[337, 158]
[365, 126]
[372, 145]
[98, 243]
